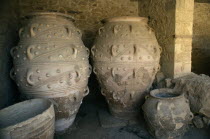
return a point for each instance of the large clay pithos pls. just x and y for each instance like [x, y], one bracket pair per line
[51, 62]
[167, 113]
[126, 59]
[32, 119]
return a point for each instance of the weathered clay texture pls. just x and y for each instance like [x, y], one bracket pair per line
[30, 119]
[197, 90]
[126, 58]
[201, 36]
[51, 61]
[87, 13]
[167, 113]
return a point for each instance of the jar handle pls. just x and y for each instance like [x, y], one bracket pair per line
[101, 29]
[86, 91]
[161, 49]
[93, 50]
[134, 50]
[158, 69]
[20, 31]
[94, 70]
[12, 51]
[79, 32]
[30, 56]
[88, 52]
[134, 73]
[146, 97]
[115, 29]
[112, 51]
[12, 75]
[75, 52]
[191, 116]
[158, 106]
[90, 69]
[113, 72]
[102, 92]
[32, 33]
[28, 78]
[78, 75]
[68, 31]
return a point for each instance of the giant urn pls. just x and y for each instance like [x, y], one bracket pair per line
[126, 58]
[51, 62]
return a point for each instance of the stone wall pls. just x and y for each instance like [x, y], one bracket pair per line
[201, 39]
[88, 13]
[183, 37]
[203, 1]
[8, 39]
[161, 15]
[172, 21]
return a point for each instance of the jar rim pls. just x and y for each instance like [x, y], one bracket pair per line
[125, 19]
[49, 14]
[169, 93]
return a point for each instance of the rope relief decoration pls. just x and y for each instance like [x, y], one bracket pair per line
[126, 58]
[51, 62]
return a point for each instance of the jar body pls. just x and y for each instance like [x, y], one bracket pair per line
[126, 59]
[168, 114]
[51, 60]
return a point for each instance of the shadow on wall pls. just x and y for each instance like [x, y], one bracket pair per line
[201, 39]
[87, 13]
[8, 39]
[203, 1]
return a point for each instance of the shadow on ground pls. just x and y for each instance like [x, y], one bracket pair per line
[88, 125]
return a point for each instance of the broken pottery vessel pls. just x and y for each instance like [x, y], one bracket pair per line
[32, 119]
[197, 90]
[167, 113]
[126, 58]
[51, 62]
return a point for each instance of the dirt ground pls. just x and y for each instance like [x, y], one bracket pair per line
[87, 125]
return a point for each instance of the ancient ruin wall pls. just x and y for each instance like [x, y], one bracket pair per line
[8, 38]
[183, 37]
[172, 21]
[88, 13]
[161, 15]
[201, 39]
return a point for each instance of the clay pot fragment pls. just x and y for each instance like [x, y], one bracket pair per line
[126, 58]
[32, 119]
[51, 62]
[167, 113]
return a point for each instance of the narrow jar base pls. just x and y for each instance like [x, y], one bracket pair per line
[61, 125]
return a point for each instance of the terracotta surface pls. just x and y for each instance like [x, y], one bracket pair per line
[51, 61]
[167, 113]
[126, 58]
[30, 119]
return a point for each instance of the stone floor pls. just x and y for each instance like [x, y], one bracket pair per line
[89, 125]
